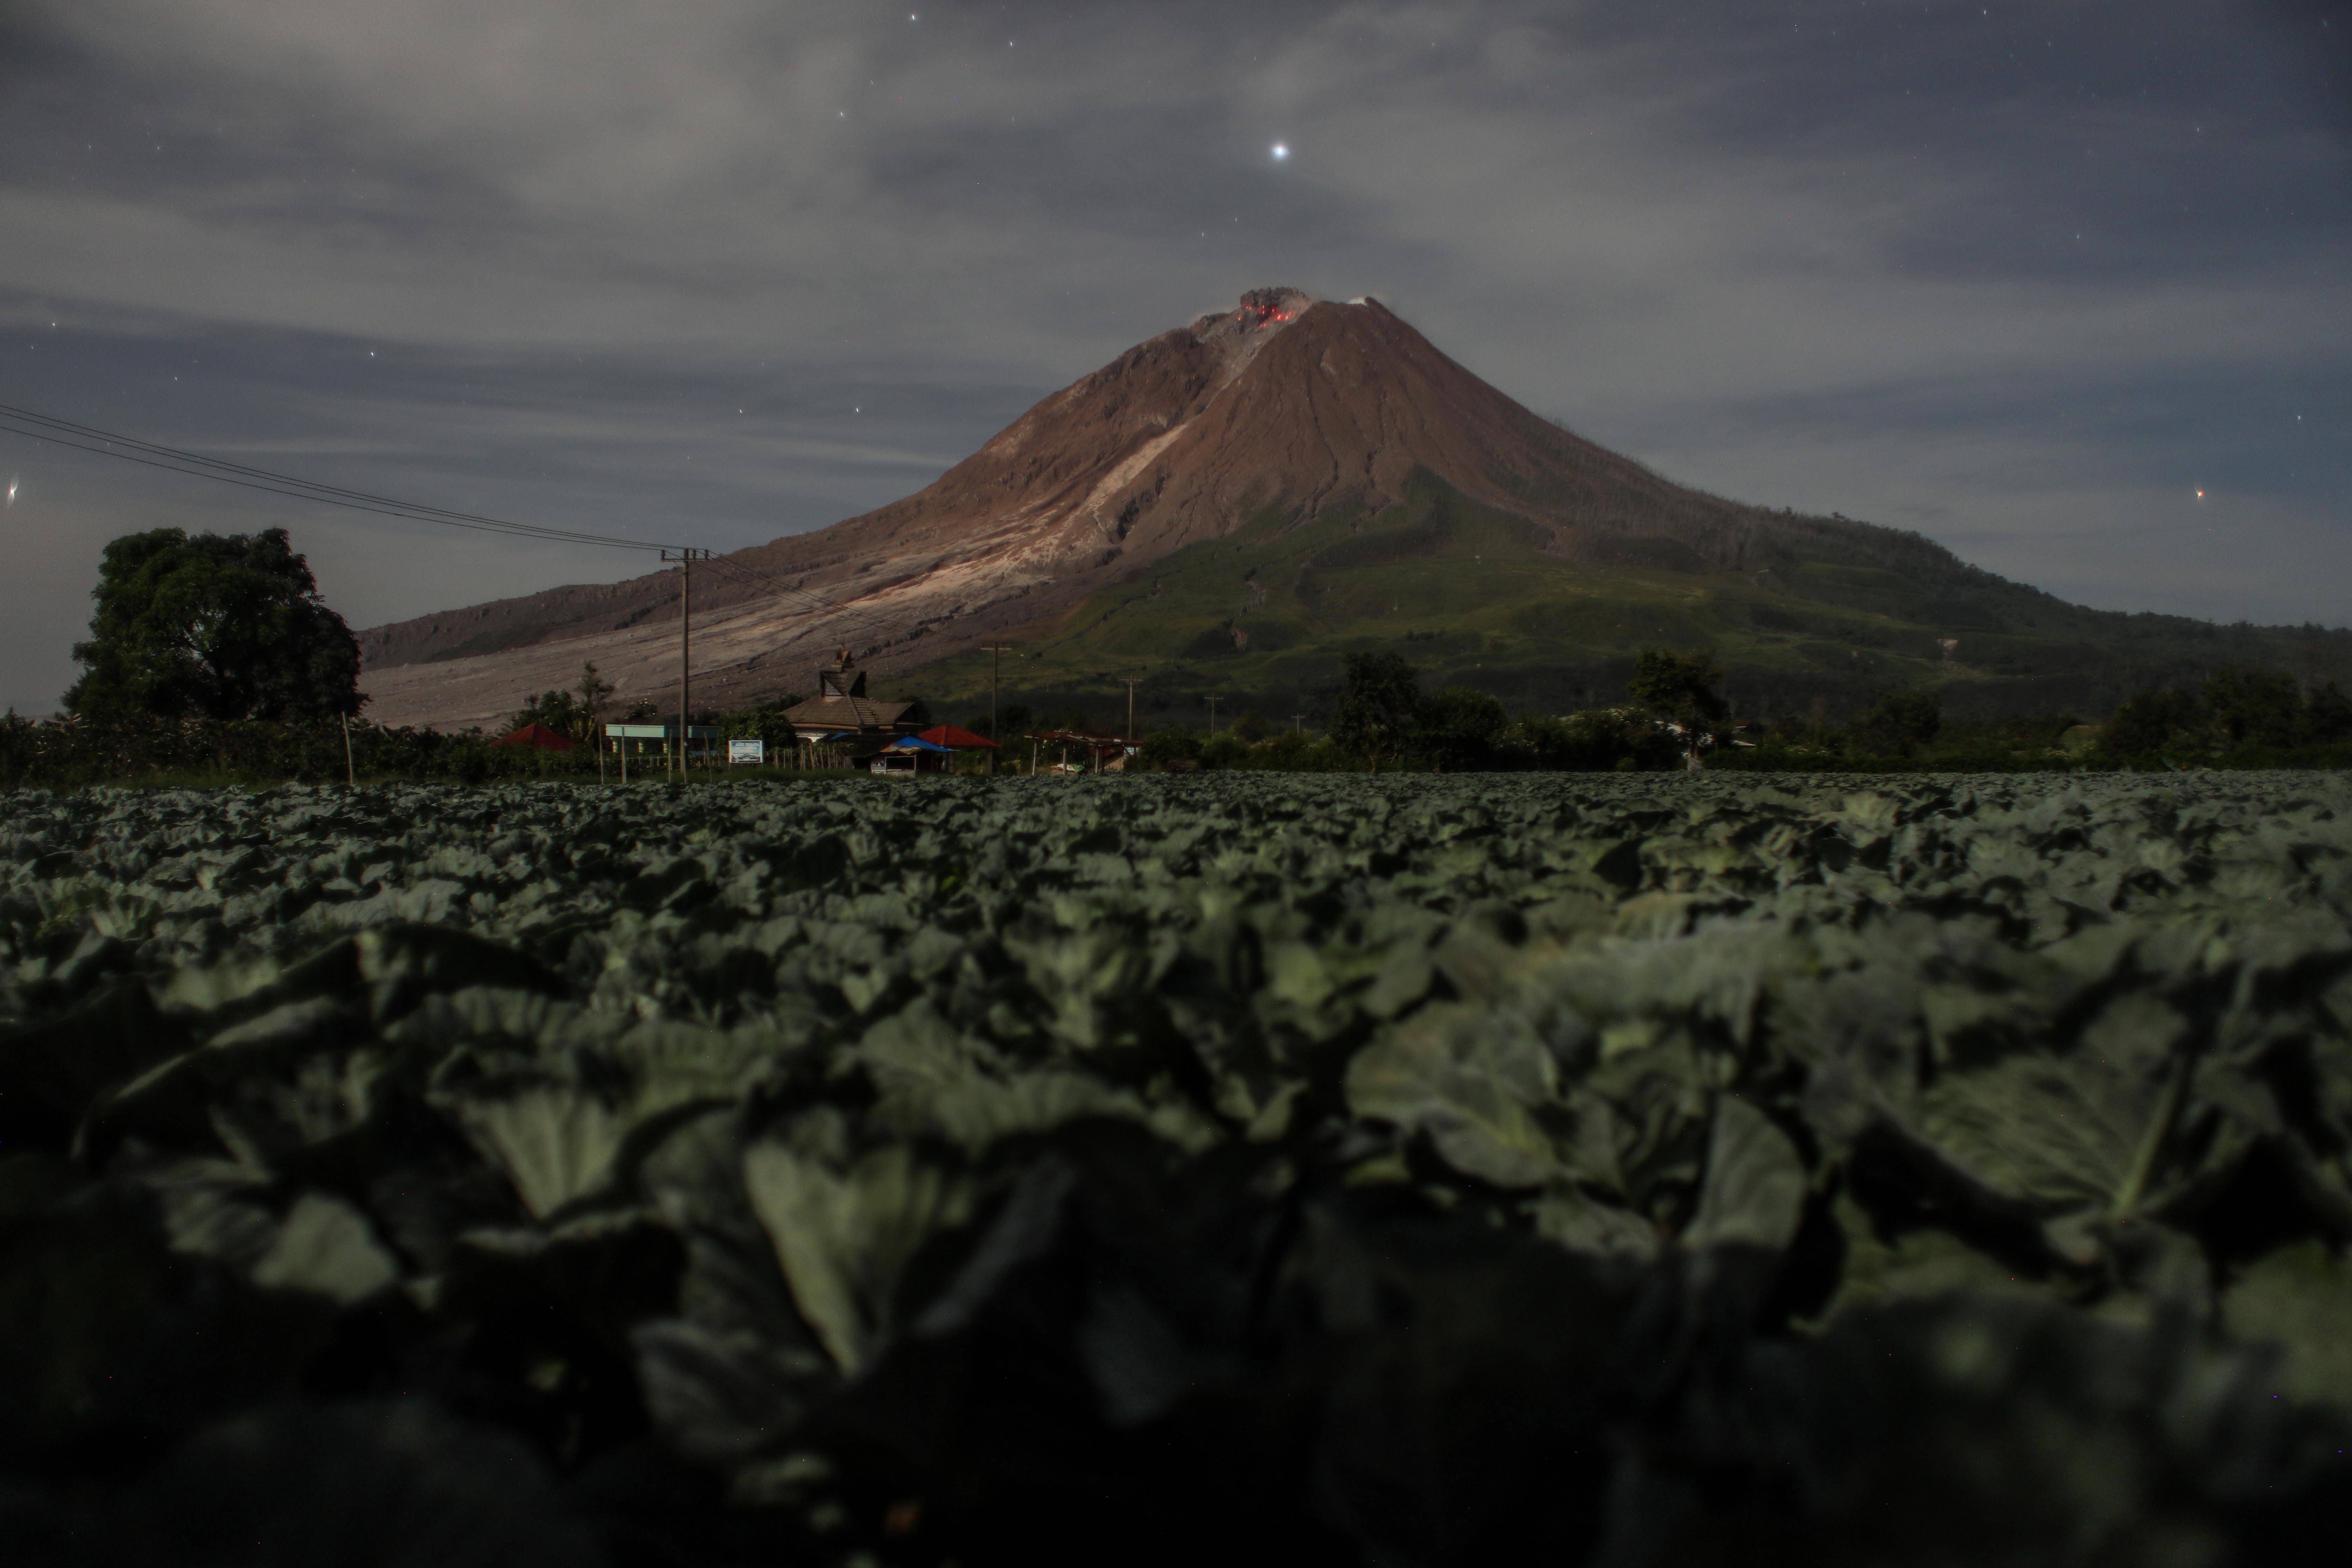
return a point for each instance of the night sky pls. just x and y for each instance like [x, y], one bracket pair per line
[2023, 276]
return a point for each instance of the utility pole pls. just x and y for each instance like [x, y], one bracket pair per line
[1298, 724]
[685, 560]
[1213, 718]
[992, 650]
[1130, 706]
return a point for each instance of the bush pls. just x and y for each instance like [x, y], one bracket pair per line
[1164, 747]
[2236, 715]
[1459, 730]
[1903, 721]
[1226, 751]
[1595, 741]
[69, 753]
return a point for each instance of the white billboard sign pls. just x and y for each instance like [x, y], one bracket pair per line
[747, 751]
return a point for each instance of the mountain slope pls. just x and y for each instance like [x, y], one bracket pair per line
[1242, 496]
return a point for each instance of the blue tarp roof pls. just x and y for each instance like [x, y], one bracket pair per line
[913, 743]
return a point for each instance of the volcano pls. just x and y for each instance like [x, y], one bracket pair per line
[1233, 502]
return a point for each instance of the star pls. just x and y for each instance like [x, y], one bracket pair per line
[1281, 151]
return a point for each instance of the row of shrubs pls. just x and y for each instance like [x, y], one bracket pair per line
[1454, 738]
[2237, 718]
[67, 752]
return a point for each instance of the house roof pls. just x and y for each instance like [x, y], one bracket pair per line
[953, 739]
[917, 743]
[844, 713]
[539, 737]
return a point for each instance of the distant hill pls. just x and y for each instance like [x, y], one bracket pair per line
[1233, 504]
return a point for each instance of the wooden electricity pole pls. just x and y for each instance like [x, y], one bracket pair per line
[992, 650]
[1130, 706]
[685, 560]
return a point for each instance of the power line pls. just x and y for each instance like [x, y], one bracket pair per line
[14, 419]
[195, 465]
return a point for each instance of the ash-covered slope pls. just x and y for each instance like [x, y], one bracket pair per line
[1284, 405]
[1266, 417]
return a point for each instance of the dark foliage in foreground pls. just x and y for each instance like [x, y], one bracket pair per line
[1395, 1170]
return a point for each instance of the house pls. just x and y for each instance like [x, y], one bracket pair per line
[537, 737]
[954, 738]
[1097, 753]
[841, 718]
[932, 751]
[913, 754]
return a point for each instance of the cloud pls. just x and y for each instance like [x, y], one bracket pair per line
[1994, 270]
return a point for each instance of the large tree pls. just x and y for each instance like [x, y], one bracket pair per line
[1380, 706]
[566, 714]
[1903, 721]
[1678, 686]
[213, 627]
[1681, 688]
[2254, 707]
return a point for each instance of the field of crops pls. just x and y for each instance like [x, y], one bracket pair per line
[1626, 1169]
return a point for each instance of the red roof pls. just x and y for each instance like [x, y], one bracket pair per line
[956, 740]
[537, 737]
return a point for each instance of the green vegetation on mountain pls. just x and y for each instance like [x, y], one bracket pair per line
[1814, 621]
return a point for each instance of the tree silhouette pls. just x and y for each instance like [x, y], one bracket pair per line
[1904, 721]
[1678, 686]
[596, 694]
[1380, 706]
[213, 627]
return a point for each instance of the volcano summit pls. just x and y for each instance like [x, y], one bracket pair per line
[1234, 503]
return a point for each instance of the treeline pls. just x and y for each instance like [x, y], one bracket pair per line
[2238, 717]
[68, 753]
[2234, 712]
[2246, 717]
[1461, 738]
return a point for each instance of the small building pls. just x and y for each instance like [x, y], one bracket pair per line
[1077, 751]
[913, 754]
[935, 751]
[841, 718]
[537, 738]
[954, 738]
[644, 741]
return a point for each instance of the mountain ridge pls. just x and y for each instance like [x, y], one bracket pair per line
[1276, 417]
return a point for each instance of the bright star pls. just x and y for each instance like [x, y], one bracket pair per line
[2200, 495]
[1281, 151]
[11, 492]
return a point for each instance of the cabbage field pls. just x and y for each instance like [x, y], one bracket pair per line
[1620, 1170]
